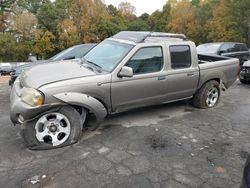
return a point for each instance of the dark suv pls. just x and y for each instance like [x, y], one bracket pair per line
[244, 75]
[228, 49]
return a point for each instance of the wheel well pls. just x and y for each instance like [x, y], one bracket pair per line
[77, 107]
[213, 79]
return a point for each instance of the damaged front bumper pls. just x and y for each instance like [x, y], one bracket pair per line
[20, 111]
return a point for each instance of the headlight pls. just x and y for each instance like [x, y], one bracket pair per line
[32, 97]
[243, 69]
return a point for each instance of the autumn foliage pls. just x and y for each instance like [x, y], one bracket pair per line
[43, 28]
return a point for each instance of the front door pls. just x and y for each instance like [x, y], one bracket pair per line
[148, 83]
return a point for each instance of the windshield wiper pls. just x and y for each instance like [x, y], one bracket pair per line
[98, 67]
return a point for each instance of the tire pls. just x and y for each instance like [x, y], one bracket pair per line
[208, 95]
[244, 81]
[53, 130]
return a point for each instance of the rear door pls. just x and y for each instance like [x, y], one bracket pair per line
[148, 83]
[183, 72]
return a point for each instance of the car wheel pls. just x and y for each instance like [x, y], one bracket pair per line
[208, 95]
[53, 129]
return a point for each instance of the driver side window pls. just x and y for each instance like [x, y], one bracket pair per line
[146, 60]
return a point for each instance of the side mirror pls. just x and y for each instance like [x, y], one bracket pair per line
[222, 52]
[126, 72]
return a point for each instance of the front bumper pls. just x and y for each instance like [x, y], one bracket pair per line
[244, 76]
[21, 112]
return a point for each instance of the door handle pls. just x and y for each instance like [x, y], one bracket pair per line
[190, 74]
[161, 77]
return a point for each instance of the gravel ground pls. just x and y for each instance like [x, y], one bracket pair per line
[168, 146]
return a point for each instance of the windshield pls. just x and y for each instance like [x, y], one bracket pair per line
[73, 52]
[108, 54]
[208, 48]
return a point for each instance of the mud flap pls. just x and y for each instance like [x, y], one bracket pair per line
[222, 86]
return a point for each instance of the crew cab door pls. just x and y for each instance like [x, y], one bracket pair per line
[183, 71]
[146, 86]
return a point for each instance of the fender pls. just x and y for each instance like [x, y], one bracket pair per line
[86, 101]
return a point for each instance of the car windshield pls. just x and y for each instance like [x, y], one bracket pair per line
[208, 48]
[72, 53]
[108, 54]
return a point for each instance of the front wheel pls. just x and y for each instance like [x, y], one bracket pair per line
[53, 129]
[208, 95]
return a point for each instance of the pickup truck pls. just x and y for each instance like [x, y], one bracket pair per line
[54, 102]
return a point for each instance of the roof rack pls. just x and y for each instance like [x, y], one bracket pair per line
[141, 36]
[169, 35]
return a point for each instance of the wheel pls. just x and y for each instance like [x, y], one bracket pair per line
[208, 95]
[53, 129]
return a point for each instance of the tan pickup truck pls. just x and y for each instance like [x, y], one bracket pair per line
[53, 102]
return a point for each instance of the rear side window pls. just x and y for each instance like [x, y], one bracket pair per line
[227, 48]
[243, 47]
[233, 47]
[180, 56]
[146, 60]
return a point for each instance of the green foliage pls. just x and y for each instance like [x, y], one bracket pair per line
[13, 50]
[138, 25]
[30, 5]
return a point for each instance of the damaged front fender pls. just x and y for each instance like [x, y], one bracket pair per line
[85, 101]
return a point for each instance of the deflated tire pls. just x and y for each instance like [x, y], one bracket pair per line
[54, 129]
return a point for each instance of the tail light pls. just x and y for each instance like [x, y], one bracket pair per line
[239, 68]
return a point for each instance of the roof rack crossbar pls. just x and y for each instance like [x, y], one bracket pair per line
[170, 35]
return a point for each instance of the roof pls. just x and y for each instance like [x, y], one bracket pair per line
[142, 36]
[220, 43]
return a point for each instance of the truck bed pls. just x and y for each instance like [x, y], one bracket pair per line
[210, 58]
[212, 67]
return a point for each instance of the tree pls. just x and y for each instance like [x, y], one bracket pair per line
[50, 14]
[24, 25]
[138, 25]
[127, 10]
[44, 44]
[5, 10]
[30, 5]
[241, 11]
[7, 53]
[159, 19]
[68, 35]
[183, 20]
[225, 26]
[85, 14]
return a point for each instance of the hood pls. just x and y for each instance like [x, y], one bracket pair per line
[21, 68]
[246, 64]
[46, 73]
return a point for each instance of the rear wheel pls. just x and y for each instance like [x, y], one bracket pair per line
[208, 95]
[54, 129]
